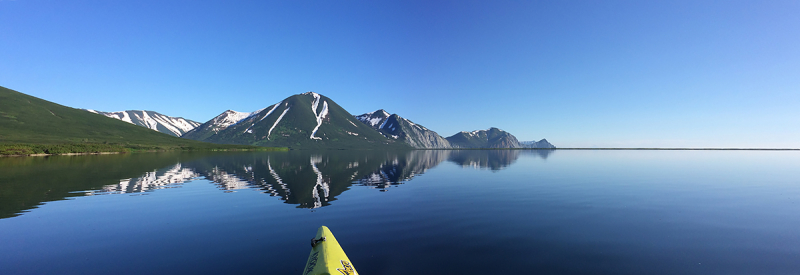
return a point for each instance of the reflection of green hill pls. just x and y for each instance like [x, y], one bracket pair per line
[26, 182]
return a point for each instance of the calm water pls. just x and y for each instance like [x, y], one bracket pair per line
[420, 212]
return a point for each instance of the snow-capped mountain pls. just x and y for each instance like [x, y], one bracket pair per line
[537, 144]
[311, 120]
[396, 127]
[307, 120]
[217, 124]
[175, 126]
[492, 138]
[374, 119]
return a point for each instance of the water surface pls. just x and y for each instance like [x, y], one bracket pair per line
[418, 212]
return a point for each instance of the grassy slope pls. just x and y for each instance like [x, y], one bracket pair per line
[30, 122]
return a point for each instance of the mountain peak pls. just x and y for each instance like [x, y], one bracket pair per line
[311, 94]
[373, 119]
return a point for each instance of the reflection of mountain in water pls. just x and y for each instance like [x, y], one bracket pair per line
[403, 168]
[310, 180]
[306, 179]
[492, 159]
[27, 182]
[542, 153]
[165, 178]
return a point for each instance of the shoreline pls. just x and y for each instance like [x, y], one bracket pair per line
[429, 149]
[269, 149]
[66, 154]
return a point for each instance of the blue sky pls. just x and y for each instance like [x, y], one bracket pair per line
[579, 73]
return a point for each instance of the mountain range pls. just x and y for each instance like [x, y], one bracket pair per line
[301, 121]
[307, 120]
[30, 125]
[311, 120]
[415, 135]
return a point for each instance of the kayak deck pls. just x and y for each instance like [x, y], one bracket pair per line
[327, 256]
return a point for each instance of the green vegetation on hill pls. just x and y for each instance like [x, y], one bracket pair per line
[29, 125]
[339, 129]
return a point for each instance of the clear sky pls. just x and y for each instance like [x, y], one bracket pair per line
[579, 73]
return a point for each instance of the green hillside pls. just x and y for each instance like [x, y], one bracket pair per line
[291, 124]
[29, 125]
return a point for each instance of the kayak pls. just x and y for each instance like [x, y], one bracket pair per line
[327, 257]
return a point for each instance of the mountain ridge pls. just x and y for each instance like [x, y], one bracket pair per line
[543, 143]
[175, 126]
[306, 121]
[491, 138]
[396, 127]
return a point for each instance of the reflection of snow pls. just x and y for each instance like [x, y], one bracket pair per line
[227, 181]
[150, 181]
[371, 170]
[375, 179]
[321, 184]
[278, 179]
[399, 169]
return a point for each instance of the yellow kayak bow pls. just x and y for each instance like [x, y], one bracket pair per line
[327, 257]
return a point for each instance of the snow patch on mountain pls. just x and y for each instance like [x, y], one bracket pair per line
[279, 120]
[125, 117]
[175, 126]
[230, 117]
[271, 110]
[319, 116]
[373, 118]
[274, 106]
